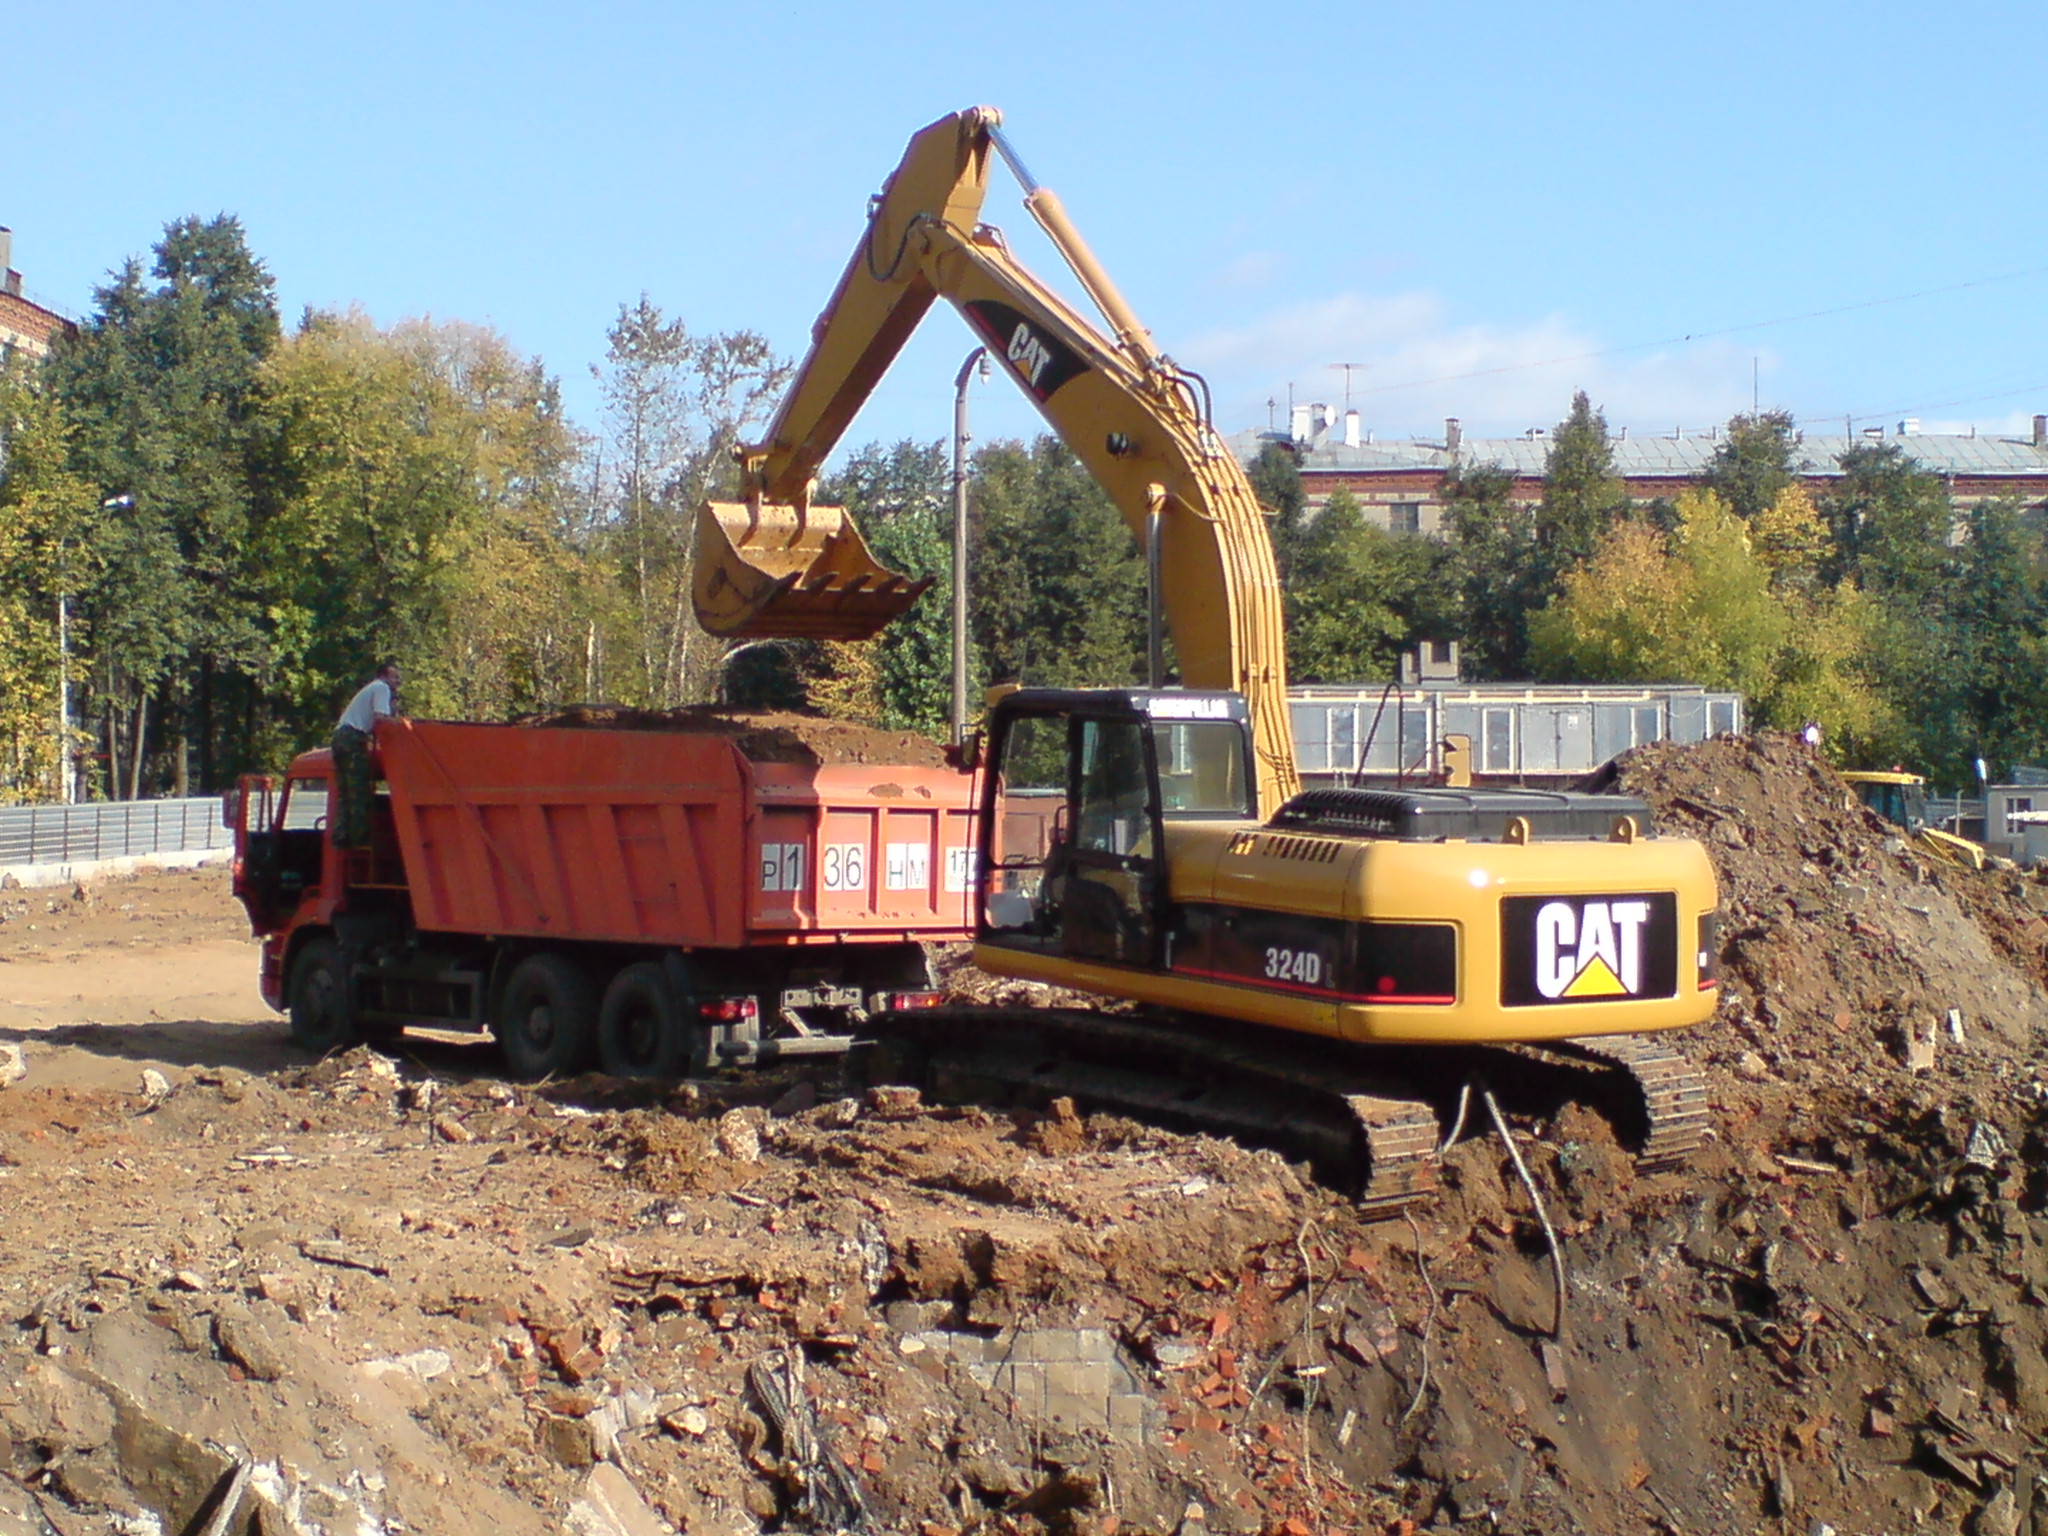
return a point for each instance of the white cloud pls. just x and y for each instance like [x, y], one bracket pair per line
[1422, 366]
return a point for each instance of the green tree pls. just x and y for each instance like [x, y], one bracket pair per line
[1581, 493]
[1754, 462]
[160, 385]
[1359, 596]
[1696, 605]
[1275, 477]
[901, 497]
[1494, 566]
[1059, 582]
[1891, 520]
[676, 405]
[424, 511]
[44, 509]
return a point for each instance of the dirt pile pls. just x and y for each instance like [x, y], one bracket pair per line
[766, 736]
[408, 1296]
[1844, 950]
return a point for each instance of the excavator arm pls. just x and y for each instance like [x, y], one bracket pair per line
[776, 565]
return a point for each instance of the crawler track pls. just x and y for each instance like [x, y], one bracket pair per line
[1368, 1118]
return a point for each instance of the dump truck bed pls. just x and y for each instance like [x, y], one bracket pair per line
[671, 838]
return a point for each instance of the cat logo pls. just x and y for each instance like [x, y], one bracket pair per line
[1590, 949]
[1558, 950]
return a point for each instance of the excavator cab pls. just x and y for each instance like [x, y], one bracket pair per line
[1078, 790]
[804, 572]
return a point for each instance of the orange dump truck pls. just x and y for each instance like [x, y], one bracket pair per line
[708, 891]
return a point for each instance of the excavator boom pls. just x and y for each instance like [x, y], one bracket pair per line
[775, 564]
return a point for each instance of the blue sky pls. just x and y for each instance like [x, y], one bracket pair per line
[1455, 196]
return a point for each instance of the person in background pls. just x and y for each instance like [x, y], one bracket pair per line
[375, 700]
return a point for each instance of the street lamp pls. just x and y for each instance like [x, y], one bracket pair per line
[977, 359]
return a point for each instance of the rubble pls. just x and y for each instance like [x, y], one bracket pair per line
[758, 1304]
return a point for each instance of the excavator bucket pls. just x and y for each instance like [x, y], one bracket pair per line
[766, 571]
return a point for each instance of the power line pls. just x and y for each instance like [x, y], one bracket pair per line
[1728, 330]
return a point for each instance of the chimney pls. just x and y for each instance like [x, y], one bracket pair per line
[1297, 424]
[2041, 431]
[10, 280]
[1453, 434]
[1351, 429]
[1910, 427]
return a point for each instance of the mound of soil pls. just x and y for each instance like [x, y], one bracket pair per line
[764, 736]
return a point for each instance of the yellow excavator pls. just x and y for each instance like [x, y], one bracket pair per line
[1901, 799]
[1323, 969]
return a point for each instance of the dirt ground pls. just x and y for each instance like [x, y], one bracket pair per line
[394, 1293]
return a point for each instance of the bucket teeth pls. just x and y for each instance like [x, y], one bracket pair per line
[766, 571]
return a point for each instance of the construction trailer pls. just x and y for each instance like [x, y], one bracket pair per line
[1537, 734]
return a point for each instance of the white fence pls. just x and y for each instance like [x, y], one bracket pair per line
[124, 829]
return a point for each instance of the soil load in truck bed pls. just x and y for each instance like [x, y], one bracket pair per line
[763, 736]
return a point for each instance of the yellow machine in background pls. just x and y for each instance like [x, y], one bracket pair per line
[1152, 844]
[1901, 799]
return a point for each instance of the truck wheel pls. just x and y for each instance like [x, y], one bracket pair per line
[318, 999]
[642, 1030]
[546, 1017]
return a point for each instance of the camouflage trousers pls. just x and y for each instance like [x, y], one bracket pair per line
[351, 827]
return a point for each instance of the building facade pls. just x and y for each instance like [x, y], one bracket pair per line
[1399, 484]
[26, 327]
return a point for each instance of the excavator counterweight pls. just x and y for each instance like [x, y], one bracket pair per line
[792, 572]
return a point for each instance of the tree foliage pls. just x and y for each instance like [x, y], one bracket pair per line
[1755, 462]
[676, 405]
[1495, 565]
[1697, 605]
[1359, 596]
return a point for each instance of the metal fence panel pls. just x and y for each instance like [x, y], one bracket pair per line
[76, 834]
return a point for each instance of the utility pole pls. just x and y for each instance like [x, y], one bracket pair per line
[977, 359]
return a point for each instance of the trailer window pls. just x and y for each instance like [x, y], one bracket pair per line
[1202, 770]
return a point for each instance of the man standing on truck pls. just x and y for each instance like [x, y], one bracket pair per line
[375, 700]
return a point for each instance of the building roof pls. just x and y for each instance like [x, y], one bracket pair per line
[1652, 458]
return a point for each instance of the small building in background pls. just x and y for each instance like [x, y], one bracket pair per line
[1542, 734]
[2015, 819]
[27, 328]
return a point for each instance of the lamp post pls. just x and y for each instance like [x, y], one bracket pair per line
[977, 359]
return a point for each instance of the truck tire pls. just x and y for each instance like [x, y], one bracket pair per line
[546, 1017]
[643, 1030]
[321, 1020]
